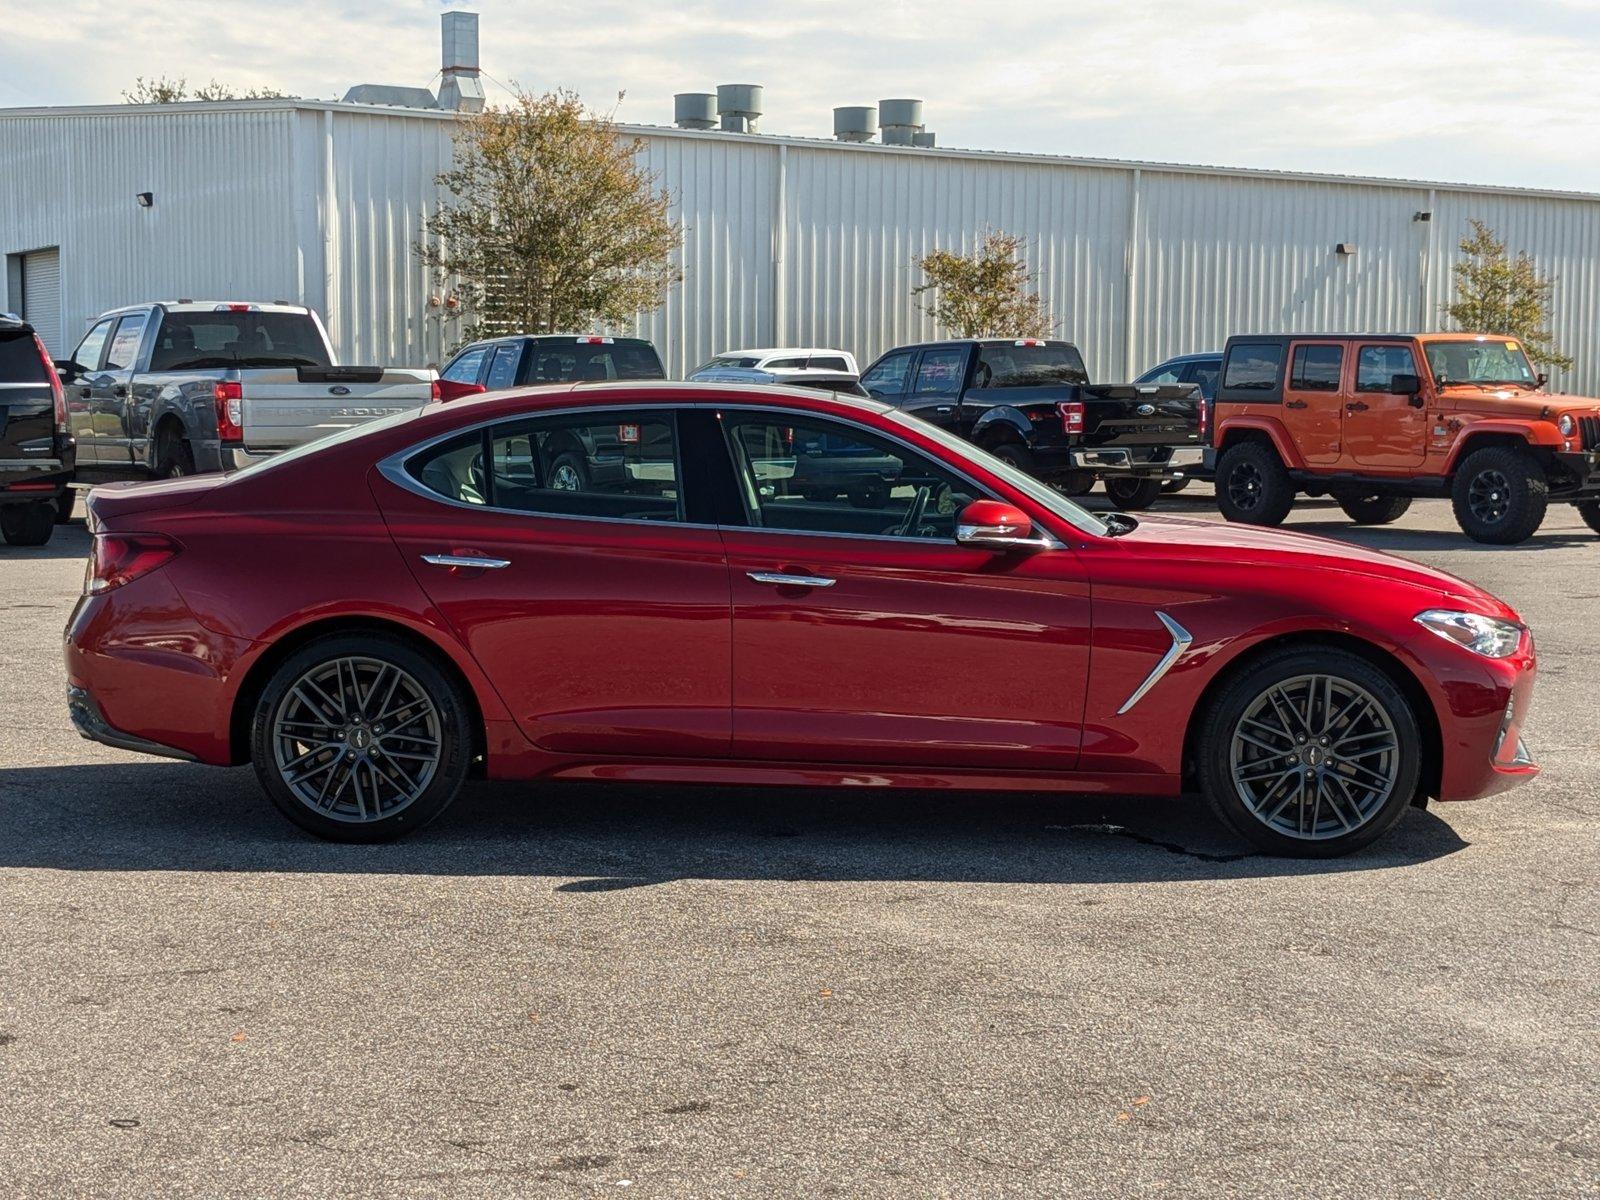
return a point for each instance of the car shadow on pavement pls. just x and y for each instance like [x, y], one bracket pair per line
[604, 837]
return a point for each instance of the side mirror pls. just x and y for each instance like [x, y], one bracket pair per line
[67, 369]
[992, 525]
[1542, 378]
[1405, 385]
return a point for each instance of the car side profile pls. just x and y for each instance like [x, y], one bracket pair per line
[420, 600]
[1375, 420]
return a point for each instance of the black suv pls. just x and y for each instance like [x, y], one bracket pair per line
[36, 451]
[526, 359]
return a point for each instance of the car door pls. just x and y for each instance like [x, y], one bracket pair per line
[889, 378]
[86, 360]
[864, 635]
[1384, 430]
[109, 406]
[598, 610]
[936, 386]
[1313, 399]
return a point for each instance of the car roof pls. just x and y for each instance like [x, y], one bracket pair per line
[11, 323]
[600, 393]
[182, 306]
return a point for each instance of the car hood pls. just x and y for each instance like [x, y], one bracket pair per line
[1193, 540]
[1515, 401]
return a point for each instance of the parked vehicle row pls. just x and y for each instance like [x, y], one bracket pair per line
[36, 450]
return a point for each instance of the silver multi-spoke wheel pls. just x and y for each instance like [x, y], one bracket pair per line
[1315, 757]
[356, 739]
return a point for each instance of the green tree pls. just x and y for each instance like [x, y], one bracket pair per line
[548, 222]
[986, 293]
[1501, 294]
[162, 90]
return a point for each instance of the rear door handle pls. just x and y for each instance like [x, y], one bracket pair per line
[472, 561]
[779, 579]
[1294, 404]
[1356, 406]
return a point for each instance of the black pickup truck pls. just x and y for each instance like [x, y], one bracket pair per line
[1029, 401]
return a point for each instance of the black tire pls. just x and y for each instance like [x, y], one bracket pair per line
[1589, 510]
[1173, 486]
[65, 503]
[1374, 510]
[449, 717]
[568, 472]
[1252, 485]
[1215, 745]
[174, 458]
[1014, 454]
[1076, 483]
[1133, 494]
[28, 524]
[1500, 495]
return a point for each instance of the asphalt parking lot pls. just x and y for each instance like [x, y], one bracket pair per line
[577, 990]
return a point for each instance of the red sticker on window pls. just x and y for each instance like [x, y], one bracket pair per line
[628, 434]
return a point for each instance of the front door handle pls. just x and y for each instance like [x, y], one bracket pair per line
[779, 579]
[472, 561]
[119, 389]
[1294, 403]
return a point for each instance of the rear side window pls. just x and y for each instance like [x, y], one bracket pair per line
[20, 360]
[784, 364]
[1376, 366]
[87, 355]
[466, 367]
[1316, 368]
[1253, 367]
[1041, 364]
[196, 340]
[503, 368]
[125, 343]
[616, 464]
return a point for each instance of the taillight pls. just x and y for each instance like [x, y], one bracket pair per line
[1205, 415]
[119, 558]
[57, 397]
[435, 392]
[229, 395]
[1071, 416]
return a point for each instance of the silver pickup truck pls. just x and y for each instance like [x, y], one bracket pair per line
[178, 388]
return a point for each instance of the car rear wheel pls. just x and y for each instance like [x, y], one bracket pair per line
[1310, 753]
[360, 738]
[28, 524]
[1252, 485]
[1589, 510]
[1172, 487]
[1374, 510]
[1132, 494]
[1500, 495]
[1014, 454]
[174, 459]
[65, 503]
[1076, 483]
[568, 472]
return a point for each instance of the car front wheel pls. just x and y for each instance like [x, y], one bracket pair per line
[361, 738]
[1310, 753]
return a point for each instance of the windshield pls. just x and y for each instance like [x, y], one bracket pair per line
[727, 360]
[1034, 489]
[327, 441]
[1484, 360]
[193, 340]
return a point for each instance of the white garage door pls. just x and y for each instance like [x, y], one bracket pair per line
[41, 297]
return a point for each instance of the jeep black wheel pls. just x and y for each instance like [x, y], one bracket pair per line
[1500, 495]
[1374, 510]
[1589, 510]
[1252, 485]
[1132, 494]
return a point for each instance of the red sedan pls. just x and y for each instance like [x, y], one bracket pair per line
[710, 584]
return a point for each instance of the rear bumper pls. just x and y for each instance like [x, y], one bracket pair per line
[233, 457]
[1147, 462]
[23, 481]
[91, 723]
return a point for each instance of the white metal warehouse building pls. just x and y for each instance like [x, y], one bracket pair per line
[785, 240]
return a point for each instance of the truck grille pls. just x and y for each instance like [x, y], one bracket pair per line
[1589, 431]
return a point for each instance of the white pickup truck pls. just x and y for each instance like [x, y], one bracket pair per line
[179, 388]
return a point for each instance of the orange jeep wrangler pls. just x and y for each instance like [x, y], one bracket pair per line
[1374, 420]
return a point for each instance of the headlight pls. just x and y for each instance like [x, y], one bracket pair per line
[1488, 636]
[1567, 425]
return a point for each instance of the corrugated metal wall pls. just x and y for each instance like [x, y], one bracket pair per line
[784, 240]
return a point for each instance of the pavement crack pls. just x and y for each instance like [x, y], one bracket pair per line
[1157, 843]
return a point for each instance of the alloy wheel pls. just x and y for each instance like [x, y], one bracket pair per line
[1244, 486]
[565, 478]
[1489, 496]
[1315, 757]
[356, 739]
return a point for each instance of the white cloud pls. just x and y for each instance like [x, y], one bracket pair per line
[1466, 90]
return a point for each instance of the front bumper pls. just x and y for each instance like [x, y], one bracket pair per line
[1144, 462]
[1583, 466]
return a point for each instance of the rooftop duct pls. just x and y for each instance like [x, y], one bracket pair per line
[923, 138]
[855, 123]
[694, 110]
[739, 106]
[901, 121]
[461, 89]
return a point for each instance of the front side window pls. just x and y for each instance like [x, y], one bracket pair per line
[889, 376]
[940, 371]
[1376, 366]
[804, 474]
[1253, 367]
[1316, 368]
[467, 366]
[503, 368]
[125, 343]
[618, 464]
[87, 355]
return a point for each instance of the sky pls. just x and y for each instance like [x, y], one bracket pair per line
[1467, 91]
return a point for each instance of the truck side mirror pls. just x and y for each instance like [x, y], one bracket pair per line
[1542, 378]
[1405, 385]
[67, 369]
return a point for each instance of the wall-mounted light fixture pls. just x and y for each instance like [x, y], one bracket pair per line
[1423, 215]
[1345, 249]
[146, 199]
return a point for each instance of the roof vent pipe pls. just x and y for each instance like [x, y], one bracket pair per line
[739, 105]
[901, 121]
[460, 89]
[695, 110]
[855, 123]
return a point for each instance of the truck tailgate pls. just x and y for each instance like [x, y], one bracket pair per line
[284, 407]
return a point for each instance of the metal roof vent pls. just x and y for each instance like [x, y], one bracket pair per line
[460, 89]
[923, 138]
[694, 110]
[901, 121]
[739, 105]
[855, 123]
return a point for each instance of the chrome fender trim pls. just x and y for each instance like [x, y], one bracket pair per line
[1182, 639]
